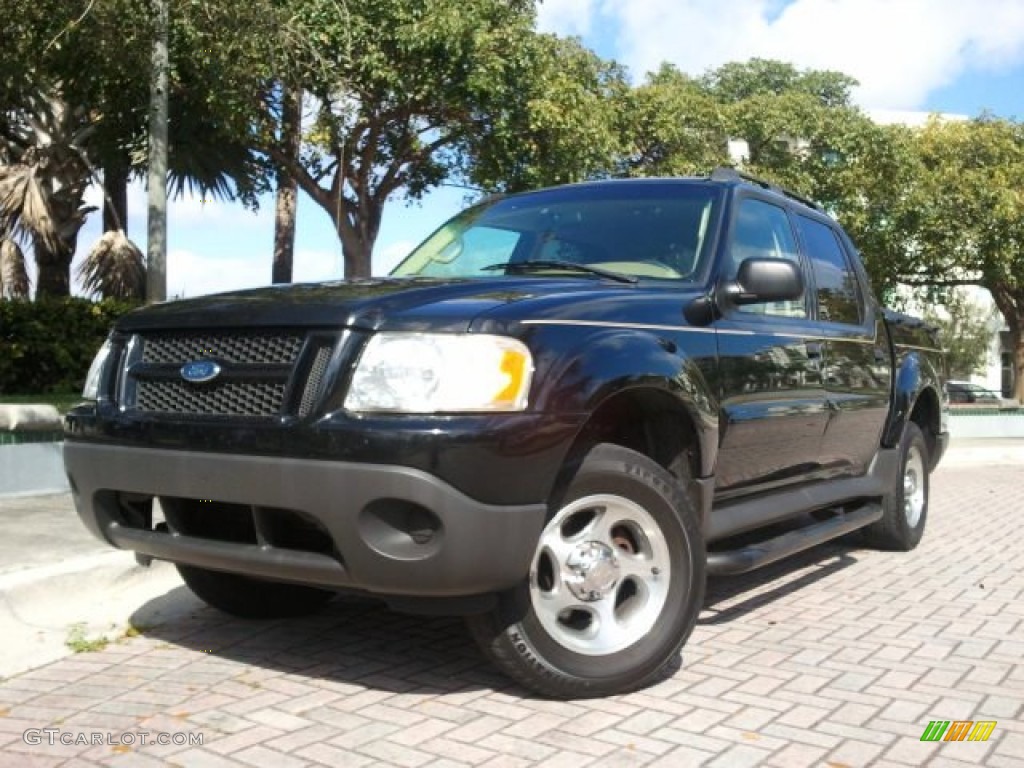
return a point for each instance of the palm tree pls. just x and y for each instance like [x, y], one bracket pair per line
[45, 170]
[44, 173]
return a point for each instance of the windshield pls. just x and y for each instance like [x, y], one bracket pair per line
[644, 230]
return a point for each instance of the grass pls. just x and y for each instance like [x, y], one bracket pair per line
[79, 643]
[63, 402]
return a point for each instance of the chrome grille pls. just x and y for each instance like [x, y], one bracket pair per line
[232, 348]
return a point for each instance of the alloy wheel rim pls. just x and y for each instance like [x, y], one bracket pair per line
[914, 487]
[601, 574]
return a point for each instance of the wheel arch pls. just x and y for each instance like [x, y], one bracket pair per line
[916, 399]
[655, 422]
[927, 414]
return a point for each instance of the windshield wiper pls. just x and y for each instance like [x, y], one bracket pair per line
[539, 264]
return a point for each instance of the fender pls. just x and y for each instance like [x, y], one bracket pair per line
[915, 373]
[590, 364]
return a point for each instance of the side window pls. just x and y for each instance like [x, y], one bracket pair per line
[762, 231]
[838, 295]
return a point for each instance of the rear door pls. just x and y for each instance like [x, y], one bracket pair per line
[856, 369]
[772, 394]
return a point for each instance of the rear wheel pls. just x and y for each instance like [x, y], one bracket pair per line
[615, 587]
[252, 598]
[905, 508]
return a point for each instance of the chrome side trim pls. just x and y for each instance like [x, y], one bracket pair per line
[692, 329]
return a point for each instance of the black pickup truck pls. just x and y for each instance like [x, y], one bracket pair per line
[557, 417]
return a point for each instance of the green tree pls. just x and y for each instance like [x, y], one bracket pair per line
[739, 81]
[970, 225]
[67, 79]
[44, 173]
[804, 133]
[78, 70]
[557, 123]
[966, 330]
[672, 126]
[409, 84]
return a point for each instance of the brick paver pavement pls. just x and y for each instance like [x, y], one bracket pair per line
[839, 658]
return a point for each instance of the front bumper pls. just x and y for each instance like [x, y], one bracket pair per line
[392, 530]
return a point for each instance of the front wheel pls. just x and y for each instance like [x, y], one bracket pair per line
[905, 507]
[615, 587]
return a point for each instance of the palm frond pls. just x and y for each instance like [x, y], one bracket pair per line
[14, 282]
[13, 179]
[23, 207]
[114, 268]
[36, 216]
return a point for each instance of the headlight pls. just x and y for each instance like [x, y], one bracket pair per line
[437, 373]
[92, 379]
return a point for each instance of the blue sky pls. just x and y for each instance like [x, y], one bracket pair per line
[909, 55]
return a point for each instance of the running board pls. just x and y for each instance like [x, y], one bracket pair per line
[764, 552]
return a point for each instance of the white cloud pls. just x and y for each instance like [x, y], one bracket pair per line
[191, 274]
[387, 257]
[567, 17]
[899, 50]
[312, 265]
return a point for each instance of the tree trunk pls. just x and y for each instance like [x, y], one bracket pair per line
[1011, 306]
[115, 196]
[1017, 356]
[156, 240]
[357, 232]
[356, 221]
[287, 201]
[54, 269]
[357, 258]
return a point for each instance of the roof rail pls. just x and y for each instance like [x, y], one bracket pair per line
[731, 174]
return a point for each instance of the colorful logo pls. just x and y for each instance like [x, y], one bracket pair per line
[958, 730]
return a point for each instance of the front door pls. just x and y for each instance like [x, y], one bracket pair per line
[770, 364]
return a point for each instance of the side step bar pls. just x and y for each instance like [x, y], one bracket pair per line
[764, 552]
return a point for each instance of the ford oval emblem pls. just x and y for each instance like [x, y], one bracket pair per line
[198, 371]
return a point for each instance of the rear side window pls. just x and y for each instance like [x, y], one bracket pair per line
[838, 294]
[762, 231]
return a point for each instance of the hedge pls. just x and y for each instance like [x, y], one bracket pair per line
[46, 346]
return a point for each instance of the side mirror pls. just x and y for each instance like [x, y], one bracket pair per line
[764, 280]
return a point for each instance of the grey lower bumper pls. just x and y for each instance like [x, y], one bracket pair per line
[473, 549]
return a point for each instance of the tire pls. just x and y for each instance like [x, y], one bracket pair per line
[251, 598]
[615, 587]
[905, 507]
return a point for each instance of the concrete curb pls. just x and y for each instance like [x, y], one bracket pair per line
[984, 452]
[93, 596]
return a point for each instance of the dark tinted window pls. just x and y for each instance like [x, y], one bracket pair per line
[762, 231]
[838, 296]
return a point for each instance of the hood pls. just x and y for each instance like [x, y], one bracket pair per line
[410, 304]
